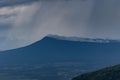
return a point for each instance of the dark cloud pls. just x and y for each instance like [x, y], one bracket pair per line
[82, 18]
[6, 3]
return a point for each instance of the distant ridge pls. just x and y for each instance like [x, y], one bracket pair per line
[53, 49]
[72, 38]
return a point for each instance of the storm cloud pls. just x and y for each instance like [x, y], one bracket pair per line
[23, 22]
[7, 3]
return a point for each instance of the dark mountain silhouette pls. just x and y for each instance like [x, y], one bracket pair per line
[109, 73]
[53, 49]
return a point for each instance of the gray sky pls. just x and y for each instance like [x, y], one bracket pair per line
[23, 22]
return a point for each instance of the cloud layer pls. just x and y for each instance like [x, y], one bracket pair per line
[7, 3]
[26, 21]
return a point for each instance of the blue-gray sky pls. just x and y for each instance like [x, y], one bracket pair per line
[23, 22]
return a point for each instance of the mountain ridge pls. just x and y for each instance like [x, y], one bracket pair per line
[49, 50]
[72, 38]
[108, 73]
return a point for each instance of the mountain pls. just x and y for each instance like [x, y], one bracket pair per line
[52, 49]
[109, 73]
[58, 58]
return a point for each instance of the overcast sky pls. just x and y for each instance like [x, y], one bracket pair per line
[23, 22]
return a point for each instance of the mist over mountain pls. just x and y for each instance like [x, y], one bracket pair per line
[97, 40]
